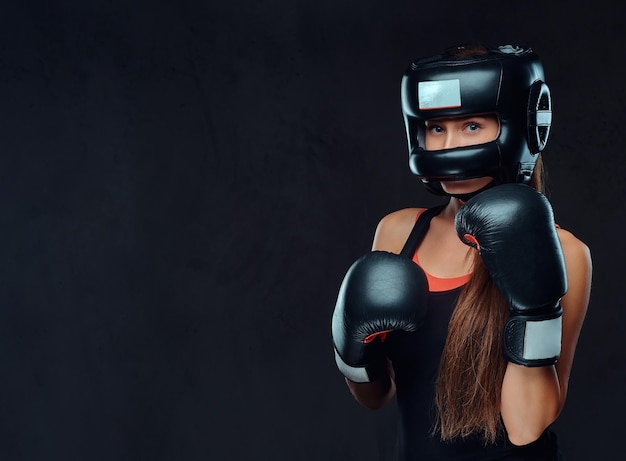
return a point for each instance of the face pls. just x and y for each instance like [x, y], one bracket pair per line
[448, 133]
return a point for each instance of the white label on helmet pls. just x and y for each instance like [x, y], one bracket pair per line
[439, 94]
[510, 49]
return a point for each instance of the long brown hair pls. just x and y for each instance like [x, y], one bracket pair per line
[472, 366]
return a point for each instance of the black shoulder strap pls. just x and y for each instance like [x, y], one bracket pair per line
[419, 230]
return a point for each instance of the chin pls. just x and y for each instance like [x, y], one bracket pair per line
[465, 186]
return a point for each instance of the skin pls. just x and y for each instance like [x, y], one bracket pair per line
[532, 398]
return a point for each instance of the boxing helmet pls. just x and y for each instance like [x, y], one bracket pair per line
[507, 81]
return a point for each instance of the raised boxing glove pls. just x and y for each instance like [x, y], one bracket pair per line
[382, 292]
[513, 228]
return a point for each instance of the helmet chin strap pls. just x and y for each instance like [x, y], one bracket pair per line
[469, 195]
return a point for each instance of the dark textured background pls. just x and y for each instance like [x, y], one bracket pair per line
[184, 183]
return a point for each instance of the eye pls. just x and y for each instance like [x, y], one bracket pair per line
[432, 128]
[473, 126]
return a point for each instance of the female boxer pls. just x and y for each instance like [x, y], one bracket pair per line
[469, 312]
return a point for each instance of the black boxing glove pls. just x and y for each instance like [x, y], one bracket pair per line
[382, 292]
[513, 228]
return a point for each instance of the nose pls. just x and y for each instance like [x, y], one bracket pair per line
[451, 140]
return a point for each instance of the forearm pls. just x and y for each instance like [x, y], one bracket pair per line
[375, 394]
[531, 401]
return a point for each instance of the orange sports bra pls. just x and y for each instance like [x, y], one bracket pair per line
[443, 284]
[439, 283]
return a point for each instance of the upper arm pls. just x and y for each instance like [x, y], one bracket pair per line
[533, 397]
[574, 302]
[394, 229]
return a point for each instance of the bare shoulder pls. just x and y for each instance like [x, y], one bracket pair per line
[393, 230]
[576, 252]
[579, 268]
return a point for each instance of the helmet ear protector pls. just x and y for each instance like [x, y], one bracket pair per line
[539, 116]
[506, 81]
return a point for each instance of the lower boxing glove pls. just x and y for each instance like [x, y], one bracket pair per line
[381, 293]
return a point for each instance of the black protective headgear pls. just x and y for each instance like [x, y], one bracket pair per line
[506, 81]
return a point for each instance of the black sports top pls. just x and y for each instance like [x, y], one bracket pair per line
[415, 359]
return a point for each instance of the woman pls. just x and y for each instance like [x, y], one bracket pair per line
[469, 313]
